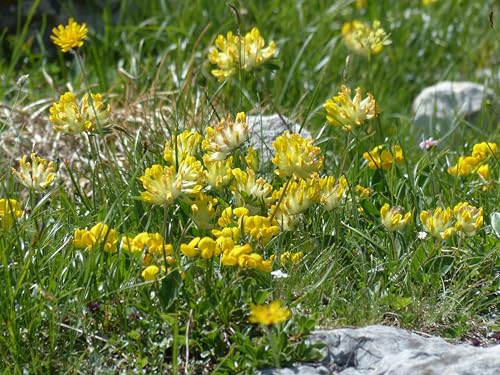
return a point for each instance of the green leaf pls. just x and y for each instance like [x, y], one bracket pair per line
[170, 287]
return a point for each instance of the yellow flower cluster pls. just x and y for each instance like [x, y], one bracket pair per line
[363, 39]
[225, 137]
[443, 223]
[232, 53]
[34, 173]
[68, 117]
[296, 156]
[10, 209]
[255, 193]
[477, 162]
[99, 235]
[288, 257]
[382, 157]
[69, 36]
[270, 314]
[394, 218]
[348, 113]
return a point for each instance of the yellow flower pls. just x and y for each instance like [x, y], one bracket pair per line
[300, 195]
[255, 261]
[428, 2]
[9, 211]
[331, 193]
[163, 184]
[363, 39]
[296, 156]
[225, 137]
[392, 217]
[105, 236]
[438, 223]
[186, 145]
[231, 216]
[251, 191]
[83, 239]
[68, 117]
[36, 175]
[270, 314]
[205, 247]
[252, 159]
[69, 36]
[469, 218]
[382, 158]
[230, 256]
[203, 211]
[150, 273]
[464, 167]
[350, 113]
[259, 228]
[484, 171]
[483, 150]
[365, 192]
[231, 53]
[288, 257]
[152, 242]
[218, 171]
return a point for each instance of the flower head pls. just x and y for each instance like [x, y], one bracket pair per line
[69, 36]
[394, 218]
[469, 218]
[332, 193]
[270, 314]
[383, 158]
[483, 150]
[35, 174]
[231, 53]
[150, 272]
[364, 39]
[438, 223]
[70, 118]
[349, 113]
[296, 156]
[427, 144]
[99, 235]
[10, 209]
[250, 191]
[181, 146]
[225, 137]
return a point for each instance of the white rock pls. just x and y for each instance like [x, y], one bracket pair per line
[377, 350]
[438, 107]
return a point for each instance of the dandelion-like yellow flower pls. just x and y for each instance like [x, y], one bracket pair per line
[270, 314]
[231, 53]
[469, 218]
[438, 223]
[69, 36]
[225, 137]
[70, 118]
[10, 209]
[363, 39]
[35, 174]
[394, 218]
[296, 156]
[349, 113]
[383, 158]
[332, 193]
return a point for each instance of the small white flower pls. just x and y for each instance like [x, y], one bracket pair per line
[279, 274]
[422, 235]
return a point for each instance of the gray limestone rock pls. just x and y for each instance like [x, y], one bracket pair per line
[263, 129]
[437, 108]
[377, 350]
